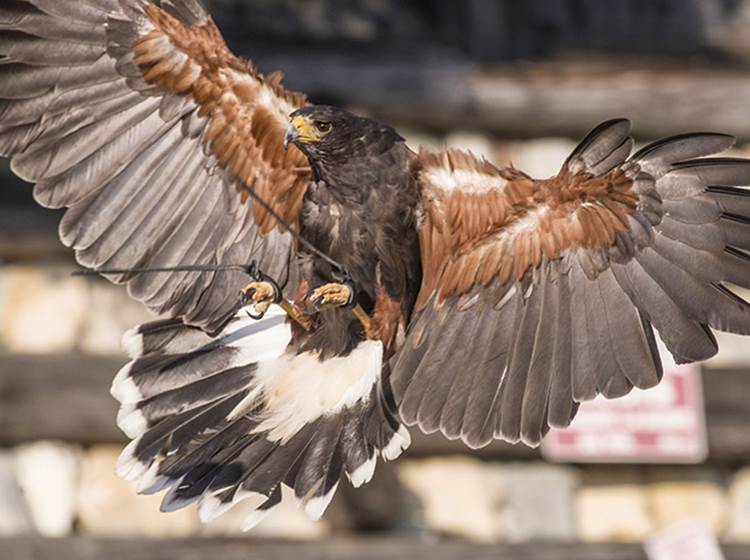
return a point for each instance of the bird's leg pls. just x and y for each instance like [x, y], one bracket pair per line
[365, 321]
[264, 292]
[329, 296]
[261, 294]
[337, 295]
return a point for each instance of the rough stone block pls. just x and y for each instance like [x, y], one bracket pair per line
[15, 518]
[732, 349]
[739, 510]
[48, 474]
[110, 507]
[672, 503]
[490, 502]
[43, 309]
[617, 513]
[540, 502]
[459, 496]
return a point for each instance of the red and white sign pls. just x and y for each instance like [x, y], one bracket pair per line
[666, 424]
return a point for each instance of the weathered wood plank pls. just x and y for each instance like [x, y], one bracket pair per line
[563, 98]
[336, 549]
[66, 397]
[30, 233]
[489, 30]
[57, 397]
[26, 231]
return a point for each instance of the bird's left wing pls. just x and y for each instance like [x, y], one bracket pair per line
[539, 295]
[136, 117]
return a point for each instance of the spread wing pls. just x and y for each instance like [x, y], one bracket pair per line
[538, 295]
[139, 120]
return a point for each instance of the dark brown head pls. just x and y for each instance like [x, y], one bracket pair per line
[334, 136]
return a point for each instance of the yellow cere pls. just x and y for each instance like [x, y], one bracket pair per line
[306, 128]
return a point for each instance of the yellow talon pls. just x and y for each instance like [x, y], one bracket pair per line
[328, 296]
[333, 296]
[261, 295]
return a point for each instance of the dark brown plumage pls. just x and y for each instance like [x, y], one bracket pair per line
[493, 303]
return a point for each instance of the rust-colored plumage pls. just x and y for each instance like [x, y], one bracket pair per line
[482, 224]
[247, 112]
[388, 322]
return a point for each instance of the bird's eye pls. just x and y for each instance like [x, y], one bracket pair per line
[324, 127]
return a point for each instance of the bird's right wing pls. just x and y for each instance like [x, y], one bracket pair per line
[539, 295]
[138, 119]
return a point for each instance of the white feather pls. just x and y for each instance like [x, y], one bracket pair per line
[258, 341]
[530, 221]
[255, 518]
[124, 388]
[463, 180]
[128, 466]
[131, 421]
[296, 390]
[364, 473]
[158, 484]
[299, 389]
[148, 479]
[211, 507]
[315, 507]
[132, 343]
[399, 443]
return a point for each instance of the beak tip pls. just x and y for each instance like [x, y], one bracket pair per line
[290, 136]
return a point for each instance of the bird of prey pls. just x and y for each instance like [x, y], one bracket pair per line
[390, 288]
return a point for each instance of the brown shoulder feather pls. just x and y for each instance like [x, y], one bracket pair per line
[248, 112]
[482, 223]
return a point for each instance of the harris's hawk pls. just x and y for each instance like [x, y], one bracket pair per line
[428, 289]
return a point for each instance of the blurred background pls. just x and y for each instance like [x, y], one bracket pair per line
[520, 82]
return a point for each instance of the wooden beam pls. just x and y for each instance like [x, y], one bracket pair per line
[564, 98]
[62, 397]
[66, 397]
[332, 549]
[26, 231]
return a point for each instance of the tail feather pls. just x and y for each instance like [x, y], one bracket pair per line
[237, 417]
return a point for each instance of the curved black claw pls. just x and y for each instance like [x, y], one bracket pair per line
[255, 316]
[259, 276]
[246, 296]
[265, 284]
[278, 295]
[349, 283]
[331, 296]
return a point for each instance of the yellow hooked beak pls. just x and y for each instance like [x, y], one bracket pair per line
[302, 130]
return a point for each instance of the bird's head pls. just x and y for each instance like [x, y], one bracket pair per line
[328, 134]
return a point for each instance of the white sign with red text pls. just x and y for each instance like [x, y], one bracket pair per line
[665, 424]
